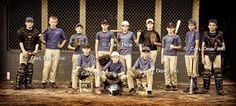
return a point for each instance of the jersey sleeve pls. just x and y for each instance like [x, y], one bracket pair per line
[20, 35]
[141, 37]
[136, 65]
[158, 37]
[107, 66]
[71, 40]
[97, 36]
[63, 36]
[163, 42]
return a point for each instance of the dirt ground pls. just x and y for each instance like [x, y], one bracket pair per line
[59, 97]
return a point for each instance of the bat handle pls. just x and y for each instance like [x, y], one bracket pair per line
[191, 86]
[191, 78]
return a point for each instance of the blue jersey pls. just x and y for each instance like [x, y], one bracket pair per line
[104, 39]
[167, 40]
[86, 61]
[190, 39]
[53, 37]
[114, 67]
[78, 38]
[144, 64]
[126, 40]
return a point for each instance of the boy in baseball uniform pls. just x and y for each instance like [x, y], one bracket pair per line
[170, 44]
[54, 38]
[75, 43]
[143, 68]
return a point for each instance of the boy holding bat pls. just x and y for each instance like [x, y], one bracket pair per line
[191, 55]
[170, 44]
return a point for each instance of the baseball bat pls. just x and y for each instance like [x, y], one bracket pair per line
[191, 79]
[176, 30]
[177, 26]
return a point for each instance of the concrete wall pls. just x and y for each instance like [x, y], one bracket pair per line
[64, 67]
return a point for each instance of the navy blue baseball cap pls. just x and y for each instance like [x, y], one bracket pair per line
[192, 21]
[29, 19]
[86, 46]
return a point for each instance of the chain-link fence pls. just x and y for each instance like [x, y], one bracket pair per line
[136, 12]
[68, 11]
[96, 12]
[173, 10]
[17, 11]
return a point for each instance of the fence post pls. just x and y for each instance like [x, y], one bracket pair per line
[44, 18]
[120, 12]
[195, 11]
[158, 15]
[82, 14]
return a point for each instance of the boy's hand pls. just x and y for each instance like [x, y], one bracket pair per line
[59, 46]
[139, 33]
[155, 43]
[35, 52]
[171, 46]
[162, 61]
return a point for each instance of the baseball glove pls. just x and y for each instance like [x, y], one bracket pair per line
[83, 74]
[103, 60]
[112, 76]
[76, 42]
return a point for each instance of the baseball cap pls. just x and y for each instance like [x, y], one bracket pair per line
[146, 49]
[29, 19]
[115, 53]
[125, 23]
[192, 21]
[86, 46]
[79, 25]
[171, 25]
[149, 20]
[105, 22]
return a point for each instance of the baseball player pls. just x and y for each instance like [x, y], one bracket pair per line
[170, 44]
[52, 37]
[87, 61]
[29, 43]
[104, 42]
[114, 71]
[143, 68]
[76, 41]
[150, 38]
[212, 46]
[125, 39]
[191, 53]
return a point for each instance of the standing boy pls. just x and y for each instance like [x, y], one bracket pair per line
[29, 43]
[150, 38]
[170, 44]
[191, 53]
[126, 39]
[76, 42]
[212, 46]
[104, 42]
[52, 37]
